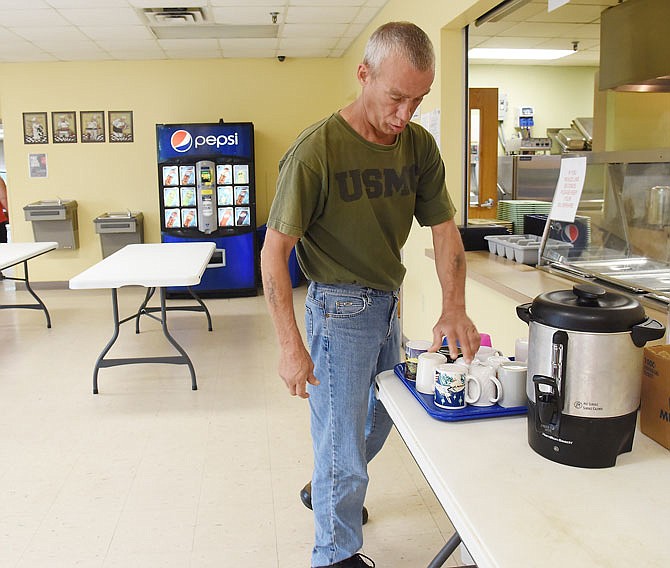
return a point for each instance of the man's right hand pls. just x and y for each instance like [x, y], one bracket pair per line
[297, 369]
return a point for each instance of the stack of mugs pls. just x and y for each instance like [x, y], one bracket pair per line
[489, 379]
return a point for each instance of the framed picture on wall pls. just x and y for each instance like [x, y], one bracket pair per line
[64, 127]
[35, 128]
[92, 125]
[120, 125]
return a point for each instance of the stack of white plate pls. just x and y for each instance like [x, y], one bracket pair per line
[514, 209]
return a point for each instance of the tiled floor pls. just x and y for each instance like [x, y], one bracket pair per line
[149, 473]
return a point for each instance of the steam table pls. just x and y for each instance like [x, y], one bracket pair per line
[12, 254]
[154, 266]
[512, 507]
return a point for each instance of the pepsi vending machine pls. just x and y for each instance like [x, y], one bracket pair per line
[207, 193]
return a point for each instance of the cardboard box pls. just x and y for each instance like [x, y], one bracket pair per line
[655, 403]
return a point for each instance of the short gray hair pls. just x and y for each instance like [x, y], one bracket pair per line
[401, 38]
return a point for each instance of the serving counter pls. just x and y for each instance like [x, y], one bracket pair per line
[496, 285]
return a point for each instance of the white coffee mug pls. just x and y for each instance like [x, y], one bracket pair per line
[490, 389]
[496, 360]
[461, 361]
[453, 387]
[512, 377]
[484, 352]
[425, 371]
[521, 350]
[413, 349]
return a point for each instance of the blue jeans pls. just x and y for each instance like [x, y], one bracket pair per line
[353, 334]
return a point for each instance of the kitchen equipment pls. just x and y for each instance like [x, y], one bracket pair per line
[570, 139]
[584, 373]
[658, 205]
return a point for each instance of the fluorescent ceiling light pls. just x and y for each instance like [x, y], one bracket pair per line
[504, 53]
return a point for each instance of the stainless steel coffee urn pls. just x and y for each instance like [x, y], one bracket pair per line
[584, 373]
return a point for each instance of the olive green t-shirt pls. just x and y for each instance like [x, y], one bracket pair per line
[351, 202]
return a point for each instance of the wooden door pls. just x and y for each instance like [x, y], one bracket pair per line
[483, 163]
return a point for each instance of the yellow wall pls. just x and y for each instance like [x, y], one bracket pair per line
[558, 94]
[279, 98]
[638, 121]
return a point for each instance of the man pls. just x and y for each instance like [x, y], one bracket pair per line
[347, 191]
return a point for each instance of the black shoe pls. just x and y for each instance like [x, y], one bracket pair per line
[356, 561]
[306, 498]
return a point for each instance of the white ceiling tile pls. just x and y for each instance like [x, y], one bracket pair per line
[101, 16]
[68, 4]
[365, 15]
[307, 52]
[249, 52]
[305, 42]
[74, 54]
[7, 36]
[278, 4]
[26, 56]
[248, 43]
[25, 18]
[537, 30]
[587, 31]
[326, 2]
[324, 14]
[25, 5]
[244, 15]
[569, 14]
[63, 33]
[132, 55]
[313, 30]
[354, 30]
[194, 54]
[188, 44]
[114, 32]
[327, 27]
[130, 45]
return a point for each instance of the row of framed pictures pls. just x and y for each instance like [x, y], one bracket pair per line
[91, 126]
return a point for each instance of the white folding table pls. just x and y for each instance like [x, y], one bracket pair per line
[154, 266]
[12, 254]
[513, 507]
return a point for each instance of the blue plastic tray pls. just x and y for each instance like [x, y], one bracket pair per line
[467, 413]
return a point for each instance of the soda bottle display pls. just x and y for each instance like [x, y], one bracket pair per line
[225, 216]
[189, 218]
[242, 195]
[172, 218]
[242, 217]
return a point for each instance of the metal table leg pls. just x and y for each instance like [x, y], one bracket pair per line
[38, 306]
[147, 310]
[447, 550]
[181, 359]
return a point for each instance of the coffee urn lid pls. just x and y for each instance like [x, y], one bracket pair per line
[588, 308]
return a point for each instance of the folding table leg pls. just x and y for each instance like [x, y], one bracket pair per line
[115, 312]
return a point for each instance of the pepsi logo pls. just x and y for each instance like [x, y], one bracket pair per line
[181, 141]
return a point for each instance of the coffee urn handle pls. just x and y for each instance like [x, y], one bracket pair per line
[648, 330]
[523, 312]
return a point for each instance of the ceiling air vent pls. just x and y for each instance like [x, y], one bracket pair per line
[194, 23]
[174, 16]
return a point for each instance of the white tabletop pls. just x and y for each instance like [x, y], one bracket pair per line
[13, 253]
[149, 265]
[512, 507]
